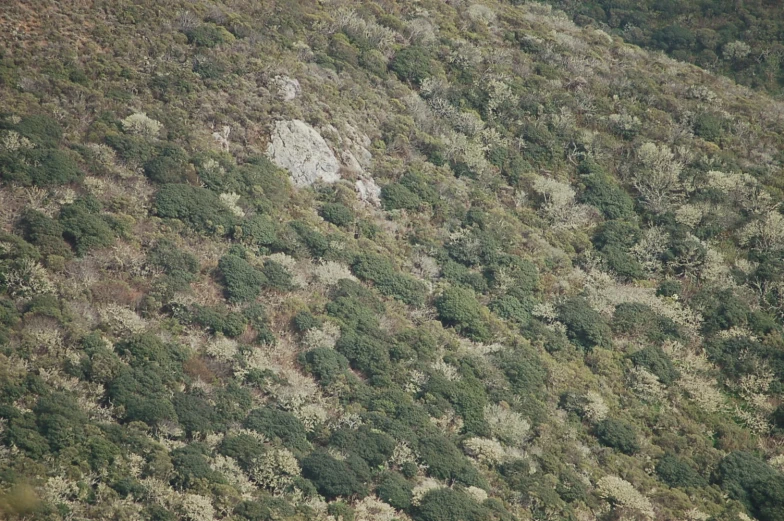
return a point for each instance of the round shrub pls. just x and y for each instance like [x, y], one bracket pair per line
[657, 362]
[397, 197]
[277, 276]
[338, 214]
[242, 281]
[332, 477]
[618, 435]
[446, 504]
[675, 472]
[327, 365]
[459, 308]
[395, 490]
[584, 325]
[277, 424]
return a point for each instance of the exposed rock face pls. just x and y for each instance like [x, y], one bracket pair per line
[368, 191]
[288, 88]
[300, 149]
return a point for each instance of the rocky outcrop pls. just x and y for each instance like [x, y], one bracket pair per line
[300, 149]
[287, 88]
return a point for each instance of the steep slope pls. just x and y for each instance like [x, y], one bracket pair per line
[376, 260]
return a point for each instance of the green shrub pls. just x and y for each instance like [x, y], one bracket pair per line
[584, 325]
[219, 320]
[244, 448]
[195, 414]
[622, 264]
[657, 362]
[365, 353]
[208, 35]
[40, 167]
[382, 273]
[277, 276]
[668, 288]
[327, 365]
[395, 490]
[446, 462]
[259, 230]
[511, 308]
[304, 321]
[84, 229]
[458, 274]
[338, 214]
[618, 435]
[45, 233]
[133, 149]
[447, 504]
[60, 420]
[608, 197]
[169, 166]
[192, 467]
[412, 64]
[524, 369]
[197, 207]
[634, 318]
[279, 425]
[41, 130]
[332, 478]
[397, 197]
[372, 446]
[754, 483]
[676, 472]
[168, 257]
[242, 281]
[708, 126]
[315, 241]
[144, 348]
[617, 234]
[458, 308]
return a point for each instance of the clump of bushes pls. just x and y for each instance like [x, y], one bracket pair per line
[338, 214]
[584, 325]
[198, 207]
[332, 477]
[382, 273]
[618, 435]
[459, 308]
[657, 362]
[242, 281]
[676, 472]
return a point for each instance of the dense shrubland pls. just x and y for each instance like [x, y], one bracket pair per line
[561, 297]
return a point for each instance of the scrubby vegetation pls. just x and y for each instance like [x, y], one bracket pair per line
[542, 281]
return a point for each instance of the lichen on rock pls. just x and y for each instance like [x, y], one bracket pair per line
[300, 149]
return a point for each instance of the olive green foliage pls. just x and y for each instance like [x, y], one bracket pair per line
[584, 325]
[278, 425]
[412, 64]
[754, 483]
[657, 362]
[325, 364]
[459, 308]
[197, 207]
[242, 281]
[634, 318]
[338, 214]
[84, 227]
[394, 489]
[219, 320]
[446, 462]
[608, 197]
[618, 435]
[276, 276]
[446, 504]
[332, 477]
[676, 472]
[258, 230]
[389, 282]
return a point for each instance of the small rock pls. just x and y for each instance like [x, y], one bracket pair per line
[300, 149]
[288, 88]
[368, 191]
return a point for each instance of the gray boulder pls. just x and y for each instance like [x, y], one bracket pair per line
[300, 149]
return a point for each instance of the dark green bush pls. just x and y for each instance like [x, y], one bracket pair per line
[634, 318]
[219, 320]
[395, 196]
[259, 230]
[524, 369]
[676, 472]
[280, 425]
[382, 273]
[618, 234]
[372, 446]
[446, 462]
[169, 166]
[84, 229]
[618, 435]
[332, 477]
[315, 241]
[192, 467]
[208, 35]
[458, 308]
[327, 365]
[584, 325]
[657, 362]
[277, 276]
[458, 274]
[608, 197]
[338, 214]
[305, 320]
[446, 504]
[412, 64]
[197, 207]
[668, 288]
[622, 264]
[167, 256]
[511, 308]
[195, 414]
[365, 353]
[40, 167]
[395, 490]
[242, 281]
[45, 233]
[708, 126]
[754, 483]
[244, 448]
[41, 130]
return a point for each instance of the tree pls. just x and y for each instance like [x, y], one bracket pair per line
[333, 478]
[458, 307]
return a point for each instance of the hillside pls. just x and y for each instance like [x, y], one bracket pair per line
[359, 261]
